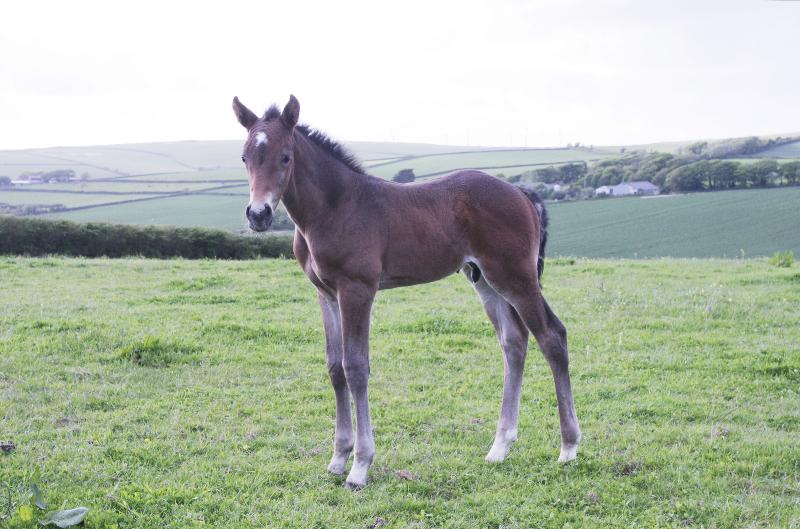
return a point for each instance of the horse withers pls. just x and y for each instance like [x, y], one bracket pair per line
[356, 234]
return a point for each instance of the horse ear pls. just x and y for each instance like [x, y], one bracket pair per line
[244, 114]
[291, 112]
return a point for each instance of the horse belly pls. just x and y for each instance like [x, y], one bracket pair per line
[412, 264]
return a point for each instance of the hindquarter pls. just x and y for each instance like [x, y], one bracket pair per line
[500, 224]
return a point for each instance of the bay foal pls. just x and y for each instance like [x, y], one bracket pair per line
[356, 234]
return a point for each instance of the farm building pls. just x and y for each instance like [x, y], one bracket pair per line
[628, 188]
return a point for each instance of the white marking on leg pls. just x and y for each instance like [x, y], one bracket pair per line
[568, 453]
[358, 475]
[513, 339]
[338, 463]
[502, 444]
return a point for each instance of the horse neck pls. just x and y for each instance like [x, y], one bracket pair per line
[318, 183]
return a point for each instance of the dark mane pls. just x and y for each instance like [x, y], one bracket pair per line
[322, 140]
[334, 148]
[272, 113]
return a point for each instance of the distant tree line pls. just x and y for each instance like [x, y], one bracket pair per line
[696, 167]
[680, 173]
[39, 237]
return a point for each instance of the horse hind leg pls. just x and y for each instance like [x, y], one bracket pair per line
[524, 294]
[551, 335]
[513, 337]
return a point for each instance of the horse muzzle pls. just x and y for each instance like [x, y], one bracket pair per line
[259, 220]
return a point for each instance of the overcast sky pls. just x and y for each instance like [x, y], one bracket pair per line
[535, 73]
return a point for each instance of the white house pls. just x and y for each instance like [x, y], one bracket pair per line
[628, 188]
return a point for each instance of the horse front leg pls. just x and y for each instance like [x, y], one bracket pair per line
[355, 303]
[343, 435]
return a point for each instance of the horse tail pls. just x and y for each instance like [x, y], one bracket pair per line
[538, 205]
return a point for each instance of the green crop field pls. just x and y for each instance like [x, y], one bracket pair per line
[165, 394]
[718, 224]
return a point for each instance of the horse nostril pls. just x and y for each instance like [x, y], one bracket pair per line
[247, 211]
[267, 211]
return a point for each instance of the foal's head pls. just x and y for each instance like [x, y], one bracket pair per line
[268, 155]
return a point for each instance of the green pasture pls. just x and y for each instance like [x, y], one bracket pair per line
[122, 186]
[129, 159]
[70, 200]
[375, 150]
[219, 211]
[174, 394]
[233, 174]
[424, 165]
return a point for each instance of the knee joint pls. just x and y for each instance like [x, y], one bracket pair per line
[336, 372]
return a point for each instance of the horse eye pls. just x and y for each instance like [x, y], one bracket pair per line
[285, 159]
[244, 160]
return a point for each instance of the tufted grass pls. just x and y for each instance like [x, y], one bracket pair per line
[176, 393]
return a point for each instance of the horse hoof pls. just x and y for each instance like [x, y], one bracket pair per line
[349, 485]
[501, 447]
[568, 453]
[337, 467]
[495, 455]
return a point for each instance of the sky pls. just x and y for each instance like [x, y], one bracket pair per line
[496, 73]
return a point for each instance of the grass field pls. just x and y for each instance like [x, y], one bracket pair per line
[166, 394]
[719, 224]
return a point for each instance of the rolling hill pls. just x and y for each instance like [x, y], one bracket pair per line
[202, 183]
